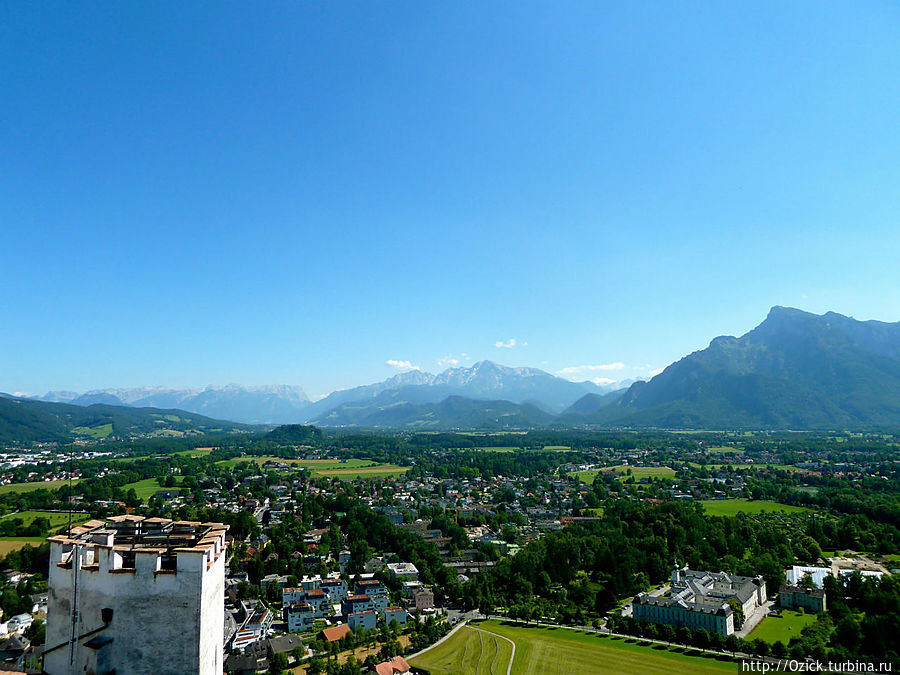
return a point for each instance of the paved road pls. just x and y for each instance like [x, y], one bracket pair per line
[511, 656]
[756, 616]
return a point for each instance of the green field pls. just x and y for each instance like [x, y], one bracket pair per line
[468, 652]
[782, 628]
[724, 449]
[57, 518]
[148, 487]
[516, 448]
[101, 431]
[195, 452]
[37, 485]
[330, 468]
[8, 544]
[731, 507]
[542, 650]
[744, 466]
[375, 471]
[637, 471]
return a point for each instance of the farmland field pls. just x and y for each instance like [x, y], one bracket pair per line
[147, 488]
[782, 628]
[468, 652]
[8, 544]
[731, 507]
[744, 466]
[195, 452]
[37, 485]
[57, 518]
[637, 471]
[330, 468]
[101, 431]
[549, 650]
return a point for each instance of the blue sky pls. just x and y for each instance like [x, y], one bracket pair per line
[299, 193]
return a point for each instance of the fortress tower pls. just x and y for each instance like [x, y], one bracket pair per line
[135, 595]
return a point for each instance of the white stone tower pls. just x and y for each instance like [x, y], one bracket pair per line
[136, 595]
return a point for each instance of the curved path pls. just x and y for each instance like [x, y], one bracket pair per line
[496, 635]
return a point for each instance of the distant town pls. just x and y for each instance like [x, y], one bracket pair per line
[324, 552]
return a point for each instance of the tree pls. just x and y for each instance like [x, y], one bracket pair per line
[666, 633]
[733, 644]
[277, 662]
[738, 612]
[36, 632]
[701, 638]
[315, 666]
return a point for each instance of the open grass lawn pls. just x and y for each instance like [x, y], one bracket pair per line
[637, 471]
[148, 487]
[744, 466]
[724, 449]
[196, 452]
[468, 652]
[306, 463]
[9, 544]
[557, 448]
[542, 650]
[331, 468]
[37, 485]
[585, 476]
[57, 518]
[644, 471]
[100, 431]
[782, 628]
[376, 471]
[731, 507]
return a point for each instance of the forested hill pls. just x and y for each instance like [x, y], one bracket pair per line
[25, 421]
[794, 371]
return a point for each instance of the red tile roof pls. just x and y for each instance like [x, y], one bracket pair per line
[335, 632]
[396, 665]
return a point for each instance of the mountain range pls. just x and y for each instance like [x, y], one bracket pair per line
[284, 404]
[795, 370]
[273, 404]
[26, 421]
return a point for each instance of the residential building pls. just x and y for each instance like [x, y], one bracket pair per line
[795, 575]
[701, 600]
[796, 597]
[397, 614]
[423, 598]
[300, 616]
[396, 666]
[336, 589]
[365, 620]
[404, 570]
[334, 633]
[357, 603]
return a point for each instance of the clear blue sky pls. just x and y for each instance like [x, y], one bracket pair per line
[300, 192]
